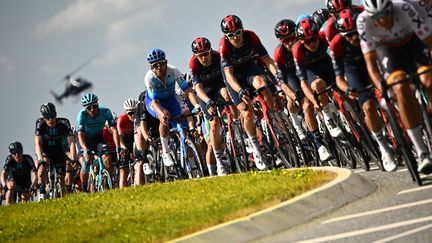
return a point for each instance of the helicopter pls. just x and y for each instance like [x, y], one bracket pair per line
[74, 86]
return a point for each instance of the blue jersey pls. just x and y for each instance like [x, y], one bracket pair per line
[92, 127]
[157, 90]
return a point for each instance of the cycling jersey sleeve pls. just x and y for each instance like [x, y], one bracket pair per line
[366, 43]
[193, 67]
[109, 117]
[7, 163]
[30, 162]
[417, 24]
[178, 77]
[260, 49]
[298, 61]
[80, 121]
[39, 129]
[65, 125]
[337, 55]
[280, 63]
[224, 54]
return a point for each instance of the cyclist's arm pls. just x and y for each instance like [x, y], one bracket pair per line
[271, 65]
[72, 146]
[116, 137]
[307, 91]
[120, 133]
[191, 96]
[341, 83]
[231, 79]
[372, 67]
[3, 178]
[38, 147]
[82, 140]
[201, 93]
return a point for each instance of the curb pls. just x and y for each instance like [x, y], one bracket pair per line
[346, 188]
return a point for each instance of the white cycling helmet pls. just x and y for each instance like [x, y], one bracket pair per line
[130, 104]
[376, 6]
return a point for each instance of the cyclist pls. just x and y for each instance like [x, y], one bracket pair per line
[49, 134]
[334, 7]
[320, 16]
[348, 62]
[125, 128]
[314, 70]
[17, 173]
[90, 123]
[210, 88]
[161, 101]
[240, 52]
[404, 44]
[285, 32]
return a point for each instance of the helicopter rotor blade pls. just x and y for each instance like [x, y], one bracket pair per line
[81, 66]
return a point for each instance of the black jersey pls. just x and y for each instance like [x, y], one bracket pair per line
[52, 137]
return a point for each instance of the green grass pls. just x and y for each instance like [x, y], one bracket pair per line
[156, 212]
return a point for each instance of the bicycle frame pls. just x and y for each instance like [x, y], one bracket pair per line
[179, 130]
[265, 109]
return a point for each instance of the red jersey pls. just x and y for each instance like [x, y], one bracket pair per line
[125, 128]
[108, 138]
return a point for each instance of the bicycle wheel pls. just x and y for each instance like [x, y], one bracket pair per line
[238, 148]
[298, 144]
[91, 183]
[193, 162]
[403, 148]
[365, 150]
[105, 183]
[285, 149]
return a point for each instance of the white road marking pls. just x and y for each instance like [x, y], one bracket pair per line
[402, 170]
[368, 230]
[420, 188]
[406, 233]
[378, 211]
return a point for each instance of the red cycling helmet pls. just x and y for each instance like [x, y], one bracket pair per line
[346, 21]
[200, 44]
[335, 6]
[284, 28]
[230, 23]
[307, 29]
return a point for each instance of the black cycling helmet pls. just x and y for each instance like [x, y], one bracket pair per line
[200, 44]
[320, 16]
[346, 21]
[230, 23]
[15, 147]
[48, 110]
[284, 28]
[307, 29]
[335, 6]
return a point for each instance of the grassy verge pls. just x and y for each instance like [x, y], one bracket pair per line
[156, 212]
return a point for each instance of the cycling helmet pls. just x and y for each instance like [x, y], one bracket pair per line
[346, 21]
[48, 110]
[302, 16]
[230, 23]
[284, 28]
[335, 6]
[89, 99]
[307, 29]
[130, 104]
[200, 44]
[320, 16]
[155, 55]
[15, 147]
[376, 6]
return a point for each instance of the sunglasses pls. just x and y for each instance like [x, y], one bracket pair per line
[288, 39]
[92, 107]
[384, 13]
[158, 64]
[50, 116]
[234, 34]
[15, 152]
[130, 113]
[351, 34]
[203, 54]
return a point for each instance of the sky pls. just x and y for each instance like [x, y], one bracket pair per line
[41, 41]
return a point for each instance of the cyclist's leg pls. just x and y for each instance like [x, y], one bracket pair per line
[11, 186]
[395, 70]
[58, 161]
[141, 145]
[68, 174]
[42, 177]
[226, 96]
[423, 63]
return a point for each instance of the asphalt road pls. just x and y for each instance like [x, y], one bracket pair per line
[398, 211]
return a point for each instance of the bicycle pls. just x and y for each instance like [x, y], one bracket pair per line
[235, 146]
[99, 178]
[277, 145]
[187, 161]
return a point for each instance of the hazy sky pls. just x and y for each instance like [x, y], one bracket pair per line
[41, 41]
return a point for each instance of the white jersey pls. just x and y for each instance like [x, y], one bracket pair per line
[423, 9]
[156, 89]
[406, 22]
